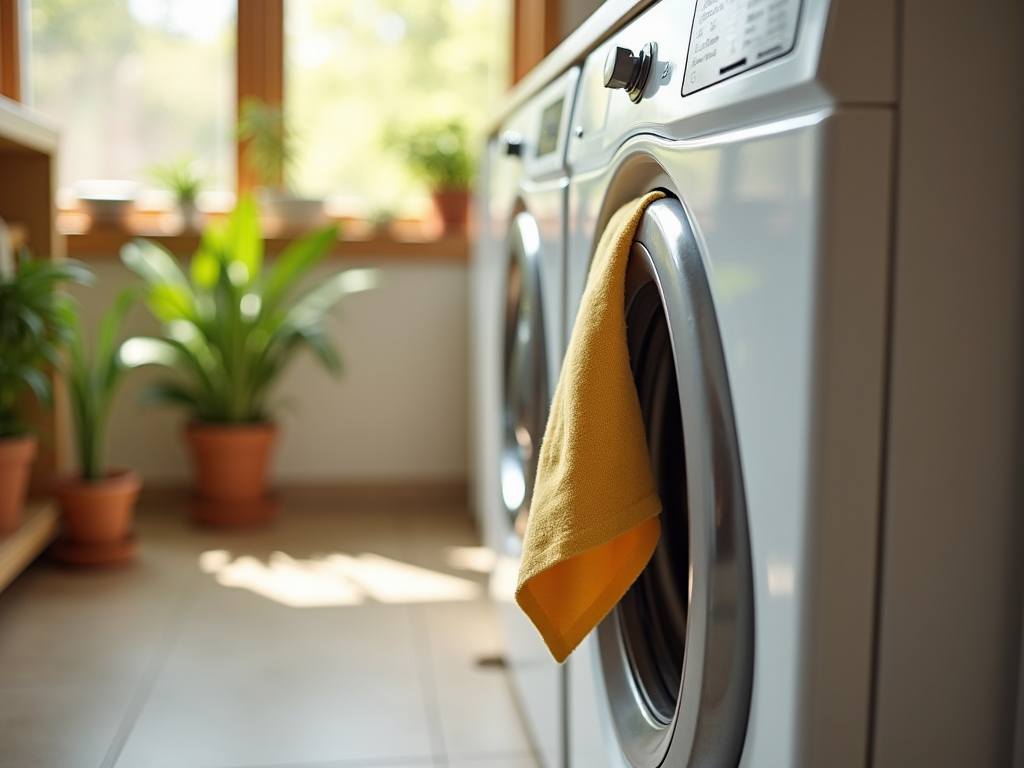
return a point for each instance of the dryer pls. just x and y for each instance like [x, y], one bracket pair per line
[779, 301]
[519, 288]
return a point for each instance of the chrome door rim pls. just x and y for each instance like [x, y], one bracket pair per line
[526, 390]
[708, 722]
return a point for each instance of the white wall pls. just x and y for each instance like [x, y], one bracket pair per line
[397, 413]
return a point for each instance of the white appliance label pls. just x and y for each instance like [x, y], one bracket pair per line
[732, 36]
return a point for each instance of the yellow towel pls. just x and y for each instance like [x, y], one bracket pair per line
[594, 513]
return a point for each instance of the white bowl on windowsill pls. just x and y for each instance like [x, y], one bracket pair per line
[106, 200]
[283, 213]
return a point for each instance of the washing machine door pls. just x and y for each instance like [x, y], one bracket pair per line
[537, 680]
[526, 388]
[676, 653]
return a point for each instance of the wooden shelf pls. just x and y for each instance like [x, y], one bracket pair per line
[23, 131]
[28, 165]
[39, 528]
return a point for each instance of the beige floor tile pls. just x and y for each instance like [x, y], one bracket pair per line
[59, 625]
[299, 532]
[254, 682]
[186, 672]
[477, 711]
[60, 726]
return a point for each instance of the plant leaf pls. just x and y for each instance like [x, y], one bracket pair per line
[243, 242]
[153, 263]
[295, 261]
[171, 302]
[205, 267]
[144, 350]
[313, 305]
[168, 391]
[38, 382]
[106, 337]
[321, 347]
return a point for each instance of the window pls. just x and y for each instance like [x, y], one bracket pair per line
[357, 70]
[133, 83]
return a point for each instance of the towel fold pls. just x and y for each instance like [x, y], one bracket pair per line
[593, 521]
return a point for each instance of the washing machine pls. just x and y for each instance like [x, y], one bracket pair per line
[824, 321]
[519, 289]
[823, 317]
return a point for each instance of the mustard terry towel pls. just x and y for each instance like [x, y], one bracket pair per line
[594, 514]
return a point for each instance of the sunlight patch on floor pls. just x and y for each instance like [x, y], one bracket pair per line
[336, 579]
[479, 559]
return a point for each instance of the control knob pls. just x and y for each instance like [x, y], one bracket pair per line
[513, 143]
[623, 69]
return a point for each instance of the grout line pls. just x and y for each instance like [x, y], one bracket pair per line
[485, 756]
[424, 665]
[431, 702]
[426, 761]
[168, 638]
[871, 737]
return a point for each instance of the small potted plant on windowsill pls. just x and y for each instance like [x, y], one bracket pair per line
[184, 179]
[33, 326]
[268, 153]
[441, 155]
[231, 328]
[97, 503]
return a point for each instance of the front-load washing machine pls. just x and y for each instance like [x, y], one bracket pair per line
[824, 323]
[519, 343]
[823, 318]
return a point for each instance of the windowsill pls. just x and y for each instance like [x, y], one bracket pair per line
[100, 244]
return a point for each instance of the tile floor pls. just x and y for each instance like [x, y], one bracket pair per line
[335, 654]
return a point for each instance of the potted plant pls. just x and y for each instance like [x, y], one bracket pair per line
[184, 179]
[231, 328]
[268, 152]
[97, 503]
[33, 326]
[440, 154]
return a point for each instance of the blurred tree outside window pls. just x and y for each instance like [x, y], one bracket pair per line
[357, 71]
[135, 83]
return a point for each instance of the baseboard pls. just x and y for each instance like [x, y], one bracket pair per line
[399, 492]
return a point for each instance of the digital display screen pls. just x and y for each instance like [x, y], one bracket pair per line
[550, 122]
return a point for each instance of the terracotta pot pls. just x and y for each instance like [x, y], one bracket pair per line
[453, 206]
[231, 468]
[16, 457]
[99, 511]
[231, 460]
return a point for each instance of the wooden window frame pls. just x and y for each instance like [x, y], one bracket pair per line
[10, 49]
[535, 33]
[259, 65]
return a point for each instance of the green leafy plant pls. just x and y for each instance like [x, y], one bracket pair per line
[183, 177]
[380, 215]
[232, 326]
[92, 378]
[35, 322]
[270, 148]
[440, 154]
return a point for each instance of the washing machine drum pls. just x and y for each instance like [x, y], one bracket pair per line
[676, 653]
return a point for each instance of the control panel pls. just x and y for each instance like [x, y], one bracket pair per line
[731, 36]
